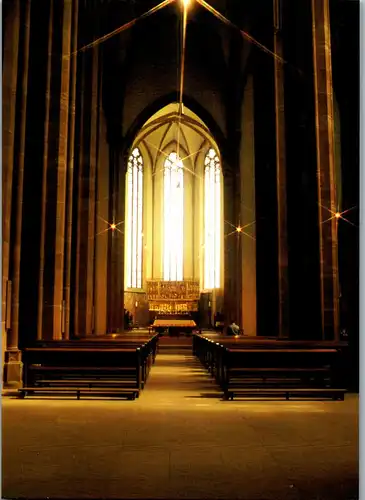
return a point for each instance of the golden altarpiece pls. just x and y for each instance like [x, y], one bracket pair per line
[174, 226]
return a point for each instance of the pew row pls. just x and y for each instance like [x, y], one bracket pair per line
[118, 368]
[289, 369]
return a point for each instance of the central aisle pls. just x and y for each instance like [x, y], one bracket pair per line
[178, 377]
[179, 440]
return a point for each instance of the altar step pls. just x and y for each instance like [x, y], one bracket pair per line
[175, 345]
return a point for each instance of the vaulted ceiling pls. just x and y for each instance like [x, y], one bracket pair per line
[168, 130]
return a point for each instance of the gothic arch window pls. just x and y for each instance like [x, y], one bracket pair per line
[212, 220]
[173, 215]
[134, 220]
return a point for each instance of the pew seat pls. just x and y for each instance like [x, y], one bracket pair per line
[287, 392]
[80, 369]
[95, 391]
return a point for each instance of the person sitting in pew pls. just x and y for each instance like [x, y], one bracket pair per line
[233, 329]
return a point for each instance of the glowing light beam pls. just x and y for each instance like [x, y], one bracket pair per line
[182, 72]
[246, 35]
[124, 27]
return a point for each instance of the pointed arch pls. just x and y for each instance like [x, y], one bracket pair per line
[189, 103]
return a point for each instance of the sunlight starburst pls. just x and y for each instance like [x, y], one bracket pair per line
[111, 226]
[338, 215]
[238, 230]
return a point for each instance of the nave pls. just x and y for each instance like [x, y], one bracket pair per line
[180, 440]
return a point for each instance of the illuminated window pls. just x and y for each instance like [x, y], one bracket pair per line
[212, 220]
[173, 218]
[133, 219]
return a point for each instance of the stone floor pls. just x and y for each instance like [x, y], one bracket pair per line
[179, 440]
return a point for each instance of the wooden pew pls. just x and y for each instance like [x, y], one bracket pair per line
[147, 358]
[303, 369]
[289, 368]
[91, 370]
[148, 345]
[150, 340]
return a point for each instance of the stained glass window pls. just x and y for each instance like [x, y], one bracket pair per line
[173, 210]
[212, 220]
[134, 233]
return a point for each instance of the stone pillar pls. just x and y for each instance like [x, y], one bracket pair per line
[77, 188]
[62, 170]
[238, 237]
[54, 173]
[323, 96]
[248, 212]
[230, 247]
[283, 278]
[101, 228]
[10, 75]
[94, 116]
[14, 366]
[86, 195]
[44, 176]
[70, 172]
[120, 254]
[116, 240]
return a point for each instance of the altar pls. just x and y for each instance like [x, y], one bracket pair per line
[173, 297]
[172, 302]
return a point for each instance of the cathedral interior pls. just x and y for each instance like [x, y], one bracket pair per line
[180, 249]
[211, 157]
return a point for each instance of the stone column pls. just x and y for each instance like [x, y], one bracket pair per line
[70, 172]
[10, 75]
[121, 244]
[116, 240]
[44, 176]
[86, 195]
[248, 212]
[238, 237]
[94, 136]
[62, 170]
[13, 369]
[77, 188]
[283, 278]
[323, 96]
[230, 246]
[102, 231]
[54, 173]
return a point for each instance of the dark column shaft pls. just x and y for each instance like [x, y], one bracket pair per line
[116, 242]
[283, 279]
[9, 90]
[87, 179]
[70, 171]
[323, 94]
[54, 172]
[230, 248]
[14, 333]
[44, 176]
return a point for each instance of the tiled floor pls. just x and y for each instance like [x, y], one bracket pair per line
[179, 440]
